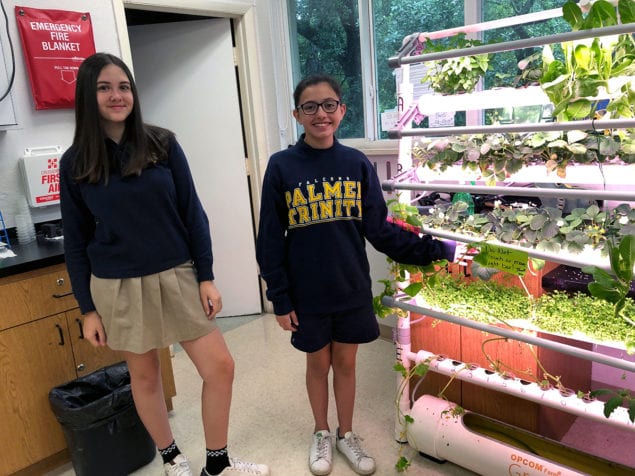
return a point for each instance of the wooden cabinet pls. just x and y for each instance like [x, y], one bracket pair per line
[41, 347]
[33, 362]
[28, 296]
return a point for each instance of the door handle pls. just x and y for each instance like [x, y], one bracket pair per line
[61, 332]
[59, 296]
[81, 328]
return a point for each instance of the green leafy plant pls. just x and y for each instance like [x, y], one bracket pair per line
[573, 84]
[544, 229]
[557, 312]
[616, 398]
[496, 157]
[454, 75]
[419, 370]
[530, 70]
[405, 279]
[615, 285]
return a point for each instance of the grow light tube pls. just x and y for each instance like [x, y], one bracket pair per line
[493, 24]
[396, 61]
[393, 185]
[411, 42]
[588, 124]
[557, 346]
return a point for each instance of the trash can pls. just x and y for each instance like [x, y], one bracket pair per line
[101, 426]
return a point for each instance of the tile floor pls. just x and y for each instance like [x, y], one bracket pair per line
[271, 419]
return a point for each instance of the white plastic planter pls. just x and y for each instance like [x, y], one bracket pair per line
[438, 433]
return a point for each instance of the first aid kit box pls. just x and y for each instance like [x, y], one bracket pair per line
[40, 171]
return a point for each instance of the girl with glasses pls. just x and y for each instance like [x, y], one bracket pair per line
[320, 201]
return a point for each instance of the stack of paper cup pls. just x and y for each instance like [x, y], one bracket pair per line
[25, 229]
[24, 226]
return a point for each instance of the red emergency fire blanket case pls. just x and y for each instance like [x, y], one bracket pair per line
[55, 42]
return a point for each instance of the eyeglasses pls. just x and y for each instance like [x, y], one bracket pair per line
[311, 107]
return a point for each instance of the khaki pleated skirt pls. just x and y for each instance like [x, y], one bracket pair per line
[151, 312]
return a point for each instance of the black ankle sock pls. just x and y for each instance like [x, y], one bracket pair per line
[169, 453]
[217, 460]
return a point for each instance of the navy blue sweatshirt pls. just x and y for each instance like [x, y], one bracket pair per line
[317, 207]
[133, 226]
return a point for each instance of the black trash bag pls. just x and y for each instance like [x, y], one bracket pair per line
[100, 423]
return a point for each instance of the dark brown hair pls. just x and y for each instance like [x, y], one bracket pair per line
[146, 144]
[312, 81]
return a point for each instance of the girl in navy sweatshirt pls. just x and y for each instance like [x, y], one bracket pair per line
[139, 253]
[320, 201]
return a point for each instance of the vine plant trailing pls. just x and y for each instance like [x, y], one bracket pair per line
[454, 75]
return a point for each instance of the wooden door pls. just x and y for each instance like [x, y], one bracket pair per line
[34, 358]
[87, 358]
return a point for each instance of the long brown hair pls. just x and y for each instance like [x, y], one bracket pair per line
[146, 144]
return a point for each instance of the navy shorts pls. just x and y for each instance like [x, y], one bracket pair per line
[351, 326]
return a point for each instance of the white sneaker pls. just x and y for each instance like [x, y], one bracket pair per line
[238, 468]
[350, 446]
[179, 466]
[321, 453]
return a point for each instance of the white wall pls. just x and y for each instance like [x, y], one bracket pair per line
[47, 127]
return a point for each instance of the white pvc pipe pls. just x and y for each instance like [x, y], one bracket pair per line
[493, 24]
[392, 185]
[523, 389]
[402, 347]
[582, 125]
[396, 61]
[437, 433]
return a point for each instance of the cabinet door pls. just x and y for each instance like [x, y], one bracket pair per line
[34, 295]
[34, 358]
[87, 358]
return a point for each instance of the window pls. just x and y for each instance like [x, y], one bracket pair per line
[353, 39]
[326, 34]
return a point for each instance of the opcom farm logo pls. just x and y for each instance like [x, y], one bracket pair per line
[524, 466]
